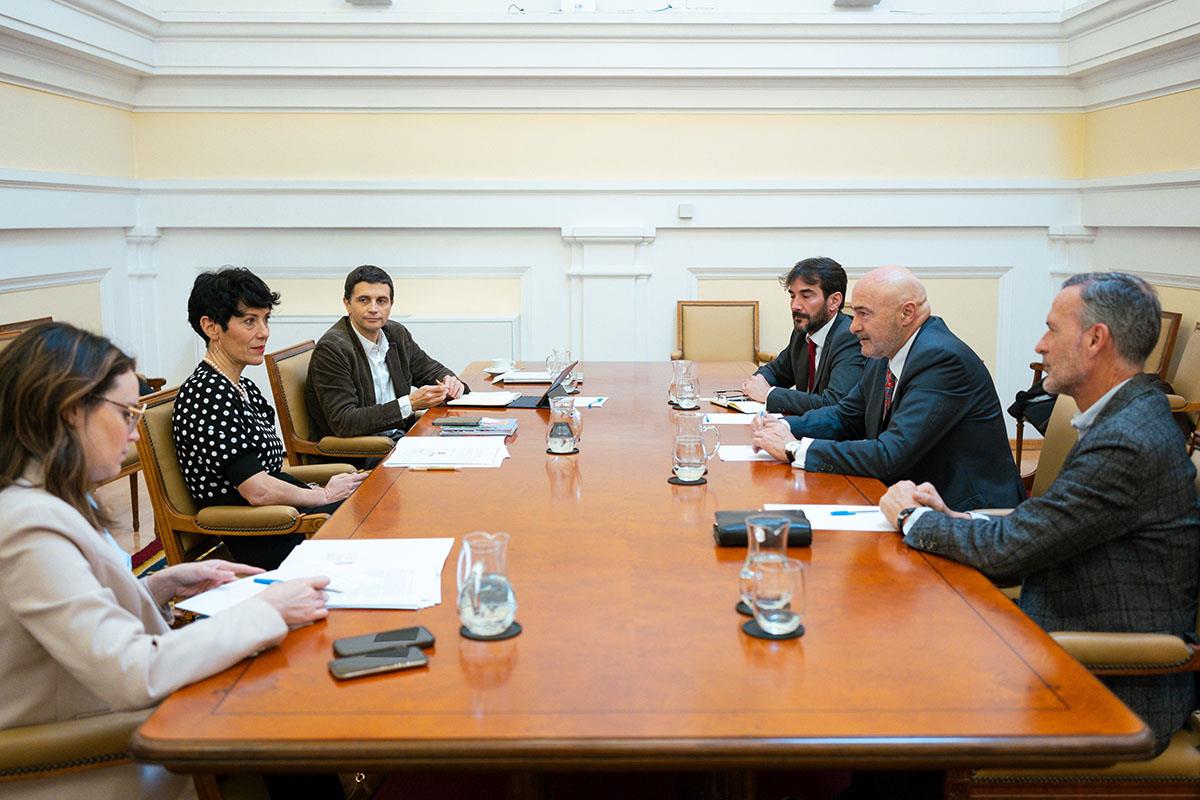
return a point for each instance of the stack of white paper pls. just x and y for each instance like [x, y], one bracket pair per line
[525, 376]
[742, 452]
[368, 573]
[728, 419]
[441, 452]
[484, 399]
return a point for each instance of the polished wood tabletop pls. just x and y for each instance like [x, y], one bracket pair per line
[632, 654]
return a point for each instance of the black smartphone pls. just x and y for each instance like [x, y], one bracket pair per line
[416, 636]
[380, 661]
[456, 421]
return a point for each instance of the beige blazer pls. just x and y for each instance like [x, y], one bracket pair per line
[79, 635]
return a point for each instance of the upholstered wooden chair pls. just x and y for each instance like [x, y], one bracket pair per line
[288, 372]
[1186, 379]
[188, 533]
[717, 330]
[42, 751]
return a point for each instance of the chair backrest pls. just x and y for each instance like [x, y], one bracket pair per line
[156, 446]
[22, 324]
[717, 330]
[1159, 360]
[288, 373]
[1196, 464]
[1186, 380]
[1060, 438]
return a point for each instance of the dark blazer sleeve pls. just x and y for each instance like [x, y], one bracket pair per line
[936, 396]
[845, 420]
[779, 371]
[1093, 499]
[845, 368]
[331, 374]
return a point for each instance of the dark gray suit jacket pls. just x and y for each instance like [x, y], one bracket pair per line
[340, 393]
[945, 426]
[1112, 545]
[838, 369]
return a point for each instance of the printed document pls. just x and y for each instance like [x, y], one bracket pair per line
[742, 452]
[839, 518]
[484, 399]
[438, 451]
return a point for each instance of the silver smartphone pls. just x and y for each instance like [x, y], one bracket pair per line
[379, 661]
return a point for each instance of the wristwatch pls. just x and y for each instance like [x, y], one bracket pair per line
[904, 514]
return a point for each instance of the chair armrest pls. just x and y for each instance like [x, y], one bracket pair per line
[764, 357]
[248, 519]
[39, 750]
[355, 446]
[317, 473]
[1128, 653]
[676, 355]
[1181, 404]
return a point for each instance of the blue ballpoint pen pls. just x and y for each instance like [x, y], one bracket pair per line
[848, 513]
[280, 580]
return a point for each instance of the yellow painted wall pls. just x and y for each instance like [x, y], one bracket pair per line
[1157, 135]
[50, 133]
[78, 304]
[607, 146]
[970, 307]
[1187, 303]
[423, 297]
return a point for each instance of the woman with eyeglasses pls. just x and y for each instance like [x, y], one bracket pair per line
[224, 428]
[79, 634]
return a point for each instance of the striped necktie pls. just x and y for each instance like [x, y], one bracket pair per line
[888, 387]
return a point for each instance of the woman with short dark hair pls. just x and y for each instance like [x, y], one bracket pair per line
[224, 428]
[79, 634]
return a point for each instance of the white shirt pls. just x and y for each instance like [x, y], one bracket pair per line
[1084, 419]
[818, 339]
[799, 450]
[380, 377]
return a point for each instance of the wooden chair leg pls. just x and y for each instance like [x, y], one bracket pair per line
[207, 787]
[133, 501]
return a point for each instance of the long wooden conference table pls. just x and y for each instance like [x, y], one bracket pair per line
[632, 656]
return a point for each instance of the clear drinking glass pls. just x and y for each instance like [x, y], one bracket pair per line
[692, 451]
[777, 596]
[487, 604]
[687, 393]
[680, 370]
[566, 425]
[766, 539]
[557, 361]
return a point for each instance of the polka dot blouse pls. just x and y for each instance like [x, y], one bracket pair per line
[221, 438]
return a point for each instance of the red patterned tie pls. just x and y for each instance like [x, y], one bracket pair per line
[888, 387]
[812, 364]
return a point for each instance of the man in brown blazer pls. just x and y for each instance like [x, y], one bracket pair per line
[367, 375]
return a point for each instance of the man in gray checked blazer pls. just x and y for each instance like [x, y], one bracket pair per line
[1114, 543]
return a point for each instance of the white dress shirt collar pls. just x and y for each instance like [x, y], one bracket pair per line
[1084, 419]
[377, 359]
[822, 333]
[896, 362]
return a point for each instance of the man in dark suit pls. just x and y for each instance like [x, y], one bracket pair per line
[1114, 542]
[925, 408]
[823, 360]
[364, 369]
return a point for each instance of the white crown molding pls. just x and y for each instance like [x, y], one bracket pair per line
[131, 56]
[44, 281]
[1167, 279]
[759, 272]
[339, 272]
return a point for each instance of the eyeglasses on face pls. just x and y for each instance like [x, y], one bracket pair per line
[133, 414]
